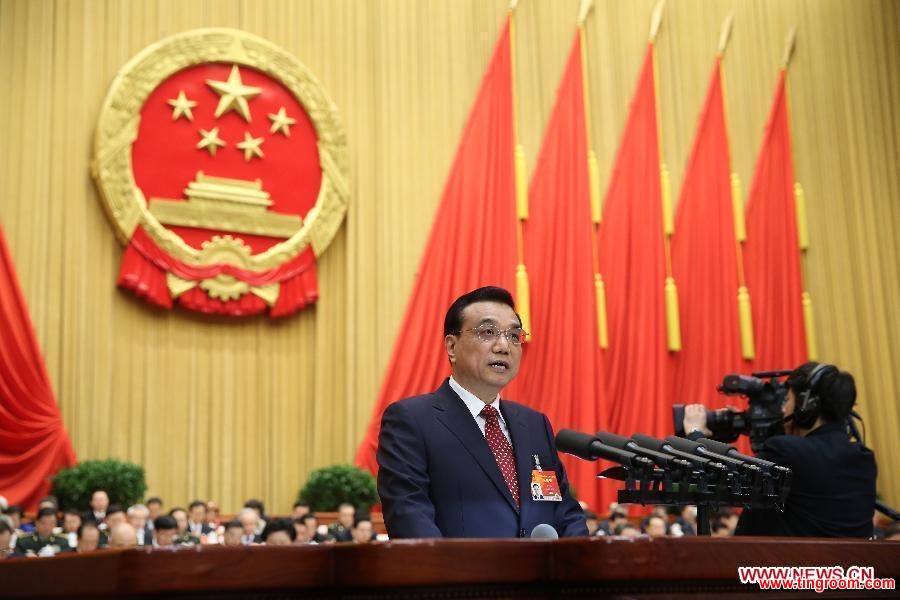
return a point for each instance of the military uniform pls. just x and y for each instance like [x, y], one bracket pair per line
[31, 544]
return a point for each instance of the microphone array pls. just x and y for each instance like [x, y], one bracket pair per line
[678, 471]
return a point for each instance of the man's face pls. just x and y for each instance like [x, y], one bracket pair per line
[279, 538]
[165, 537]
[345, 516]
[122, 536]
[212, 511]
[89, 540]
[484, 368]
[362, 533]
[232, 536]
[302, 533]
[248, 522]
[198, 514]
[656, 527]
[115, 519]
[138, 519]
[71, 522]
[99, 501]
[44, 526]
[181, 518]
[155, 510]
[299, 511]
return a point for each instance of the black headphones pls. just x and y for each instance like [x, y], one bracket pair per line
[808, 407]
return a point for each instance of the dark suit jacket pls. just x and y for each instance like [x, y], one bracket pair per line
[438, 478]
[832, 492]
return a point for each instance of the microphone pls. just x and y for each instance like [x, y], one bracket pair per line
[727, 450]
[542, 531]
[701, 450]
[663, 446]
[623, 443]
[588, 447]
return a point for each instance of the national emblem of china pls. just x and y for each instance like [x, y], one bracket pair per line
[221, 162]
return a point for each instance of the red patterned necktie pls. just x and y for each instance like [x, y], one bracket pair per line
[502, 450]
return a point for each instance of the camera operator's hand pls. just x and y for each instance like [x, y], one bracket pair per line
[695, 419]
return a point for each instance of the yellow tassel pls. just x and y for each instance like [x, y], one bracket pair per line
[809, 323]
[521, 184]
[673, 326]
[737, 208]
[802, 226]
[600, 294]
[523, 304]
[594, 181]
[668, 222]
[745, 320]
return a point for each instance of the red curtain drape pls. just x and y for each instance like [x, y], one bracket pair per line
[33, 440]
[705, 262]
[771, 253]
[632, 260]
[472, 243]
[565, 376]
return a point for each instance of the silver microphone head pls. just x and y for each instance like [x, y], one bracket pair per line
[542, 531]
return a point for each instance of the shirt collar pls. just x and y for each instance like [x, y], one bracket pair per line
[472, 402]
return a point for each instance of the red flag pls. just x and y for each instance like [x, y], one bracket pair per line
[771, 252]
[564, 376]
[632, 260]
[472, 244]
[706, 261]
[34, 444]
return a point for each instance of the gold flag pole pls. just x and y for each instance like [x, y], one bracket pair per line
[523, 295]
[670, 291]
[593, 181]
[800, 215]
[745, 313]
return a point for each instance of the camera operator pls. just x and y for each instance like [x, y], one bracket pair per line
[833, 488]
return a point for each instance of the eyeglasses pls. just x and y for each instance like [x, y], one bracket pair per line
[489, 334]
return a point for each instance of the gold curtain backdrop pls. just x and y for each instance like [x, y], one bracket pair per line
[230, 409]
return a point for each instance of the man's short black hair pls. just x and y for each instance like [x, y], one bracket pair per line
[175, 510]
[45, 512]
[15, 509]
[309, 517]
[165, 523]
[285, 525]
[196, 503]
[154, 500]
[72, 511]
[87, 525]
[257, 505]
[836, 390]
[233, 524]
[453, 320]
[360, 517]
[300, 503]
[113, 509]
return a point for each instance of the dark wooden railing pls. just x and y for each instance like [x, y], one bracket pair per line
[578, 568]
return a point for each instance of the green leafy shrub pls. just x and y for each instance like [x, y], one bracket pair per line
[326, 488]
[123, 481]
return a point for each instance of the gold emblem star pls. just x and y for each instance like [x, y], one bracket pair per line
[210, 141]
[234, 94]
[250, 146]
[182, 106]
[281, 122]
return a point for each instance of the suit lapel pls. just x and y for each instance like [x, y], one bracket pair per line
[451, 411]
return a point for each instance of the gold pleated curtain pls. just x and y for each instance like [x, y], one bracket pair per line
[226, 410]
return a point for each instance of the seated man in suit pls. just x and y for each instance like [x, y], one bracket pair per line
[459, 462]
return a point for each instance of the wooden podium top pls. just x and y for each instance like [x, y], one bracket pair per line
[579, 568]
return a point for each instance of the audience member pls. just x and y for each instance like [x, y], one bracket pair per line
[260, 509]
[656, 526]
[626, 529]
[185, 536]
[233, 533]
[138, 516]
[301, 507]
[99, 504]
[249, 519]
[42, 542]
[88, 537]
[155, 506]
[122, 536]
[312, 526]
[212, 514]
[362, 531]
[197, 524]
[593, 524]
[279, 532]
[686, 523]
[115, 516]
[303, 535]
[339, 531]
[165, 532]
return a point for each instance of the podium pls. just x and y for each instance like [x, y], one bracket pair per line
[694, 567]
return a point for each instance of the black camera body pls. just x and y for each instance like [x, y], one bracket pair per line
[761, 420]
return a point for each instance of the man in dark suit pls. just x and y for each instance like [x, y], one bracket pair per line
[459, 462]
[833, 488]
